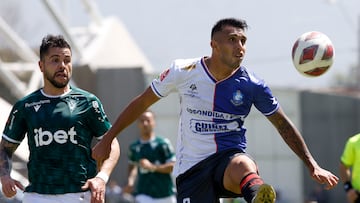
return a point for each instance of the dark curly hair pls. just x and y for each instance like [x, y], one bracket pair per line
[50, 41]
[239, 23]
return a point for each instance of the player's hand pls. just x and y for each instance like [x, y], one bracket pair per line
[97, 187]
[128, 189]
[351, 195]
[325, 177]
[9, 186]
[146, 164]
[101, 151]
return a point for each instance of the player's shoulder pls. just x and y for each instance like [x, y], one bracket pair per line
[134, 144]
[78, 92]
[186, 64]
[162, 140]
[355, 138]
[32, 97]
[249, 76]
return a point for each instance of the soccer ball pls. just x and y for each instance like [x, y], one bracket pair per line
[313, 54]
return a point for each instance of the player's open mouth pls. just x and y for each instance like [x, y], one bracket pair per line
[61, 74]
[239, 56]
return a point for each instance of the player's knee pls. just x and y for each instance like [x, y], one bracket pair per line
[242, 164]
[238, 168]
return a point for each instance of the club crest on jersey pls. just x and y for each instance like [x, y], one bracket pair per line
[96, 106]
[72, 104]
[237, 98]
[37, 107]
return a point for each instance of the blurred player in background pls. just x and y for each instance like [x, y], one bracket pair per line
[216, 95]
[152, 159]
[60, 122]
[350, 169]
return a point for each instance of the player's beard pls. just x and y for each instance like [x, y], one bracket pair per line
[231, 63]
[52, 80]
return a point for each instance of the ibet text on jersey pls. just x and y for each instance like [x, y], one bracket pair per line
[60, 136]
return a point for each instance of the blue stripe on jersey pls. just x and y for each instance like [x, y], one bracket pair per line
[235, 96]
[155, 90]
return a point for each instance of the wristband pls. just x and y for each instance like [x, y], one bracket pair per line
[103, 176]
[347, 186]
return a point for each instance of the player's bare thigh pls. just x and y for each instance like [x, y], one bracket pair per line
[239, 166]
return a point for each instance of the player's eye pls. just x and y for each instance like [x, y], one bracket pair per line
[55, 60]
[67, 60]
[232, 39]
[243, 41]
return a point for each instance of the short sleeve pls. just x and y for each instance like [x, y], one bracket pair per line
[165, 83]
[15, 127]
[98, 120]
[347, 157]
[264, 100]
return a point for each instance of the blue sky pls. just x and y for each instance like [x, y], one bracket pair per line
[166, 30]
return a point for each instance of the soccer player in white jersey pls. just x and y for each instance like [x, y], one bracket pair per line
[60, 122]
[216, 94]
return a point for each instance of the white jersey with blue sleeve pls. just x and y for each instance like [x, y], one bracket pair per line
[212, 112]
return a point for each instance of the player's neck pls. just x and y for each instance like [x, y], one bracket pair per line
[53, 91]
[147, 136]
[217, 69]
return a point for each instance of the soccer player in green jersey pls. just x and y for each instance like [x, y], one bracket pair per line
[151, 160]
[60, 122]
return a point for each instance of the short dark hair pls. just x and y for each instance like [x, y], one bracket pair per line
[239, 23]
[50, 41]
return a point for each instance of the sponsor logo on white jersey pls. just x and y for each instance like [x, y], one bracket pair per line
[210, 127]
[214, 114]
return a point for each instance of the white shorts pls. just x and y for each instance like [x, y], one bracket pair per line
[147, 199]
[80, 197]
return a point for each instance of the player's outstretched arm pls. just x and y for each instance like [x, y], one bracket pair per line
[97, 185]
[9, 185]
[134, 109]
[295, 141]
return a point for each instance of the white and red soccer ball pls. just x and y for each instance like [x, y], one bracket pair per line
[313, 54]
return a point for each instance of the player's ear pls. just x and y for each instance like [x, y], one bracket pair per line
[213, 44]
[41, 66]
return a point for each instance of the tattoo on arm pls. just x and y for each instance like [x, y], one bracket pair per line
[7, 149]
[291, 136]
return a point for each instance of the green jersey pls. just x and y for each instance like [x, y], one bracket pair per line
[60, 130]
[157, 151]
[351, 158]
